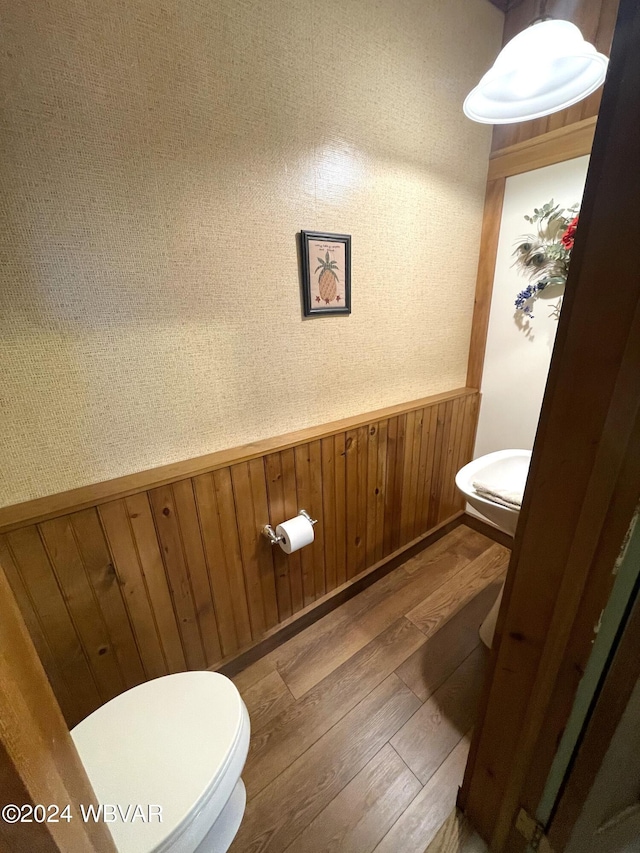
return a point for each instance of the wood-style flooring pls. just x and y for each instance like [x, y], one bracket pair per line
[456, 835]
[360, 723]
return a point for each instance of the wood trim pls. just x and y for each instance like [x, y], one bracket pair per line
[178, 576]
[581, 468]
[619, 684]
[565, 143]
[40, 509]
[487, 530]
[39, 763]
[283, 632]
[491, 219]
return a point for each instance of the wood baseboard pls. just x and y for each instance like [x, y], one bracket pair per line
[489, 530]
[334, 599]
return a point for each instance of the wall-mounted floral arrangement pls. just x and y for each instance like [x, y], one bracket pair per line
[544, 257]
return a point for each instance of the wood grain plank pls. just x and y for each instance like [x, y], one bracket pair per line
[303, 661]
[102, 576]
[299, 726]
[230, 545]
[418, 825]
[277, 514]
[362, 813]
[116, 517]
[431, 665]
[255, 672]
[257, 559]
[315, 510]
[39, 578]
[329, 514]
[216, 559]
[446, 462]
[558, 144]
[155, 581]
[371, 497]
[456, 835]
[491, 218]
[392, 443]
[409, 478]
[380, 486]
[307, 556]
[361, 527]
[421, 466]
[279, 813]
[448, 485]
[452, 595]
[463, 544]
[38, 636]
[437, 481]
[62, 550]
[425, 499]
[415, 475]
[258, 481]
[196, 563]
[431, 734]
[464, 451]
[341, 509]
[167, 524]
[397, 487]
[266, 699]
[351, 450]
[291, 507]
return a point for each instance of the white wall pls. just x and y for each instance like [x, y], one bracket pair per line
[518, 356]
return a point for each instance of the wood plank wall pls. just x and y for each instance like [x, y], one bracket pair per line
[178, 576]
[596, 20]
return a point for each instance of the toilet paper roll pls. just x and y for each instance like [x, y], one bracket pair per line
[296, 533]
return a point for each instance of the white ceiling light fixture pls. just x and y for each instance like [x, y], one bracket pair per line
[545, 68]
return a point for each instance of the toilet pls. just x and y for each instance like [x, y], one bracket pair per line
[176, 743]
[508, 469]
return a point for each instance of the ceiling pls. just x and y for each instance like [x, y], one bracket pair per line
[505, 5]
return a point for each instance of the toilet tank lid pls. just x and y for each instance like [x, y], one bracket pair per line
[165, 743]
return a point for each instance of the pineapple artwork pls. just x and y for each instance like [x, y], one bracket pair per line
[327, 281]
[326, 262]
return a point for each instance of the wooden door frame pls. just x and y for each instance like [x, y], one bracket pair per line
[39, 764]
[584, 480]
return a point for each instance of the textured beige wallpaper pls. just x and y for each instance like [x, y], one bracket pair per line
[158, 158]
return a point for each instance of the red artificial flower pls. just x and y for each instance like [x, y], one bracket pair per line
[569, 235]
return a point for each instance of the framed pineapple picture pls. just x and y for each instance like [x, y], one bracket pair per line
[326, 273]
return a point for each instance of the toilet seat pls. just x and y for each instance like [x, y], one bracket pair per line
[178, 742]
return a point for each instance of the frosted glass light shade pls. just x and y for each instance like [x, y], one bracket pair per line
[545, 68]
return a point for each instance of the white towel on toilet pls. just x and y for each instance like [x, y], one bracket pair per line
[504, 497]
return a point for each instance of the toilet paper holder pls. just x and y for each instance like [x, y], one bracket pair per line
[273, 537]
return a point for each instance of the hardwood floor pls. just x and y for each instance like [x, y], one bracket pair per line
[456, 835]
[360, 723]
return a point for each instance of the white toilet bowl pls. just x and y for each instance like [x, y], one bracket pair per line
[508, 469]
[178, 743]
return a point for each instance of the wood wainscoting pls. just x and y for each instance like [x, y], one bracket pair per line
[167, 570]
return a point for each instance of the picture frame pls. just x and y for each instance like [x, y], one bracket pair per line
[326, 273]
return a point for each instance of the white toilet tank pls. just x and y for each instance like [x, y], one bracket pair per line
[178, 743]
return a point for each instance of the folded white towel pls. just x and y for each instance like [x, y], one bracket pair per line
[504, 497]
